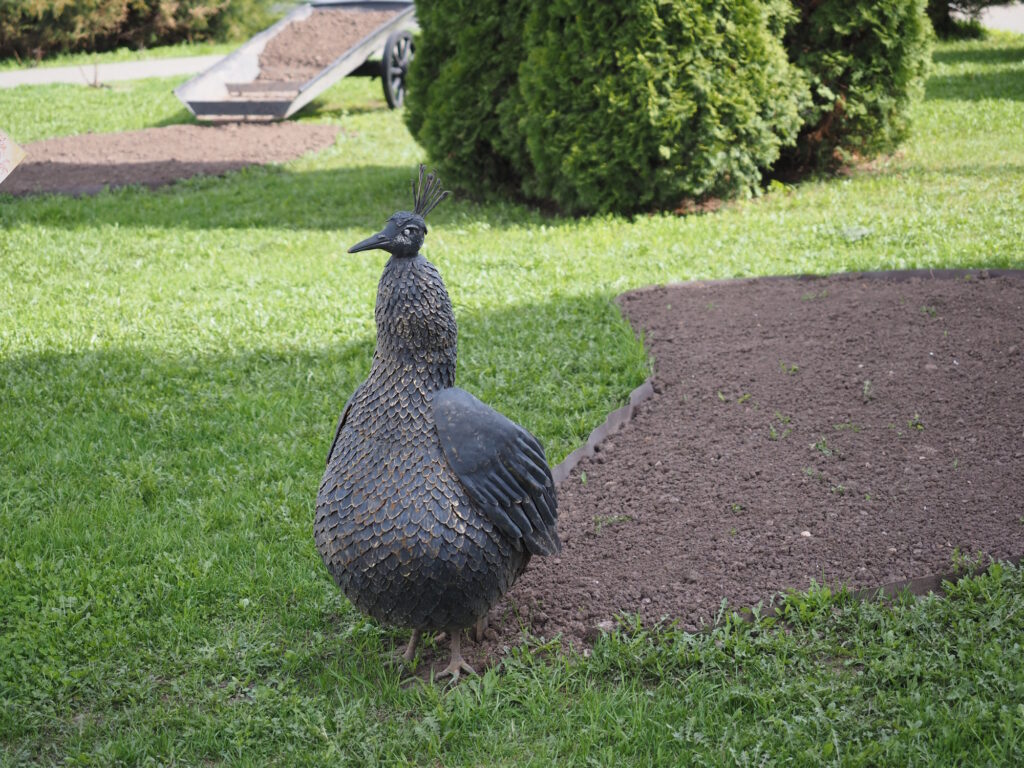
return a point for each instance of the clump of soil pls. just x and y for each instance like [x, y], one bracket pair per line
[852, 430]
[302, 49]
[86, 164]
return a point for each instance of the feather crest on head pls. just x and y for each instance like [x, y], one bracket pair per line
[427, 193]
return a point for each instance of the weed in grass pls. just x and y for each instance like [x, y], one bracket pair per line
[964, 562]
[929, 310]
[915, 422]
[743, 398]
[867, 393]
[856, 233]
[788, 368]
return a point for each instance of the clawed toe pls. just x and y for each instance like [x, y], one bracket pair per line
[457, 665]
[456, 668]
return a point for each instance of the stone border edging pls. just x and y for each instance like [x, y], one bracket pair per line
[918, 586]
[612, 423]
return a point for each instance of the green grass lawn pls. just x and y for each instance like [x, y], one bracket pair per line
[172, 363]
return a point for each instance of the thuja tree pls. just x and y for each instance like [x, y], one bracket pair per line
[636, 105]
[462, 101]
[867, 63]
[645, 104]
[604, 106]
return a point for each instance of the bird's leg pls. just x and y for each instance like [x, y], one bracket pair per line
[410, 649]
[457, 665]
[480, 628]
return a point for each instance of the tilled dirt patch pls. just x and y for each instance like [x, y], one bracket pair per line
[303, 48]
[852, 430]
[86, 164]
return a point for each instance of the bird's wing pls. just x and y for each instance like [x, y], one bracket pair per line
[341, 422]
[501, 466]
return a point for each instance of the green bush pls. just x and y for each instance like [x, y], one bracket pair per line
[33, 29]
[642, 104]
[462, 97]
[645, 104]
[604, 107]
[867, 61]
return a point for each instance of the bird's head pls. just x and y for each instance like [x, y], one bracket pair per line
[403, 234]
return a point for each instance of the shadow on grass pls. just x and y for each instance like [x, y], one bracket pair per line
[269, 197]
[976, 87]
[557, 367]
[980, 56]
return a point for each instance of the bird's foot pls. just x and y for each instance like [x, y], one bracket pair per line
[480, 628]
[410, 650]
[457, 665]
[455, 668]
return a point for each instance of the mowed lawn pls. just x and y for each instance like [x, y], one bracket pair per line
[172, 363]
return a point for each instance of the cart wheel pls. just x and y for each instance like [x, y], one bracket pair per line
[398, 52]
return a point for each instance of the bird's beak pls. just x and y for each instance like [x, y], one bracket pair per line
[379, 240]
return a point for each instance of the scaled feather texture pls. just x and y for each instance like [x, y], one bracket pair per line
[432, 503]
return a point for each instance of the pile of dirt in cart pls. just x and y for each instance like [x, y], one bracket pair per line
[854, 430]
[86, 164]
[304, 48]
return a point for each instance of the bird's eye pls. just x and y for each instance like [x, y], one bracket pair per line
[407, 231]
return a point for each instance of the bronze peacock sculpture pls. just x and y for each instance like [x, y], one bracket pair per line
[432, 502]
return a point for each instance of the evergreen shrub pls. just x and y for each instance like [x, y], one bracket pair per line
[642, 104]
[645, 104]
[867, 61]
[462, 104]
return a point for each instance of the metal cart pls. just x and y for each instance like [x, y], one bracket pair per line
[230, 90]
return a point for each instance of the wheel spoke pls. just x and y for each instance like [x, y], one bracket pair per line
[397, 55]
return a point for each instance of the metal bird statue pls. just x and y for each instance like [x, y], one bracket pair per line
[432, 502]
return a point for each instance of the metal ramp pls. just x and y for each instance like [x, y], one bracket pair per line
[231, 90]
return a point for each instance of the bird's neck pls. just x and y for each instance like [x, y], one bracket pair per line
[416, 332]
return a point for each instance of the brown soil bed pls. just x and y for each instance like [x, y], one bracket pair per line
[152, 157]
[303, 48]
[851, 430]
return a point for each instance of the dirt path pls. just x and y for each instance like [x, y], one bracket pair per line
[86, 164]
